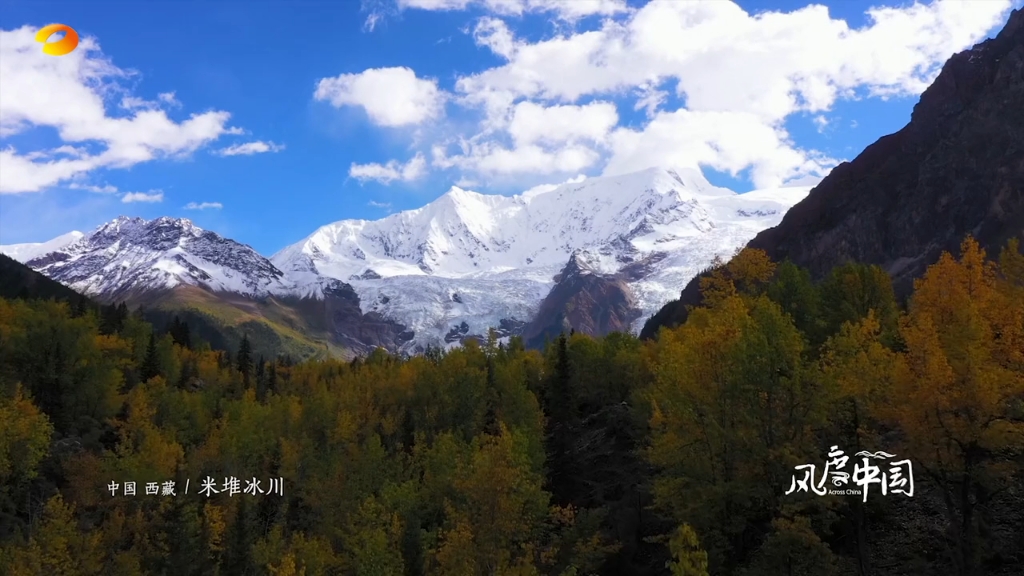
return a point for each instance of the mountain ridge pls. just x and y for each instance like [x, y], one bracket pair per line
[415, 278]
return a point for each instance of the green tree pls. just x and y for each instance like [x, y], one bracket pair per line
[151, 363]
[852, 290]
[793, 289]
[244, 360]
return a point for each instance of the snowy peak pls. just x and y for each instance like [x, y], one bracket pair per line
[647, 232]
[464, 233]
[25, 252]
[130, 255]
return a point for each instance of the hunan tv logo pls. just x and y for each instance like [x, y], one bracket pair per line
[61, 47]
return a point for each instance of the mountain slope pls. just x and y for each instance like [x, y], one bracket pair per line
[130, 256]
[20, 281]
[173, 268]
[26, 252]
[957, 168]
[223, 318]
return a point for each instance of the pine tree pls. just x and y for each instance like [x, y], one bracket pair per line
[81, 307]
[561, 412]
[180, 333]
[112, 318]
[151, 364]
[261, 378]
[272, 377]
[244, 360]
[491, 423]
[186, 335]
[561, 403]
[240, 538]
[117, 316]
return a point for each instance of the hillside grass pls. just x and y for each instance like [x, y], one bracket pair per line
[273, 327]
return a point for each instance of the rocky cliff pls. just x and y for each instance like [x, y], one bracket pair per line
[585, 301]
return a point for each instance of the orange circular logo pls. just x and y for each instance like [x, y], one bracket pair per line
[61, 47]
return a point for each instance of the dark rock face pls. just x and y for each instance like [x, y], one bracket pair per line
[506, 327]
[457, 333]
[359, 332]
[956, 169]
[339, 314]
[584, 301]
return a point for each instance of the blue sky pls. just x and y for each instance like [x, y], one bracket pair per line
[345, 108]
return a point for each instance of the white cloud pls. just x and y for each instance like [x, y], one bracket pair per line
[163, 100]
[649, 99]
[726, 141]
[495, 35]
[70, 94]
[105, 189]
[738, 77]
[21, 173]
[545, 140]
[250, 148]
[151, 196]
[533, 123]
[168, 98]
[723, 58]
[390, 172]
[563, 9]
[541, 188]
[495, 159]
[390, 96]
[374, 204]
[203, 206]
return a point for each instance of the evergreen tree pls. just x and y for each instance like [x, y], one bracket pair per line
[244, 360]
[561, 401]
[240, 538]
[81, 307]
[561, 413]
[180, 333]
[151, 363]
[492, 425]
[261, 378]
[272, 377]
[112, 318]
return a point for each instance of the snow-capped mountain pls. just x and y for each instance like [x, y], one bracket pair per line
[25, 252]
[469, 261]
[131, 255]
[458, 266]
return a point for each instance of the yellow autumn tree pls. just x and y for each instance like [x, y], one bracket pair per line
[957, 389]
[732, 411]
[688, 558]
[746, 273]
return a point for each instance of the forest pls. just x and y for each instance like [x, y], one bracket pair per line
[611, 455]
